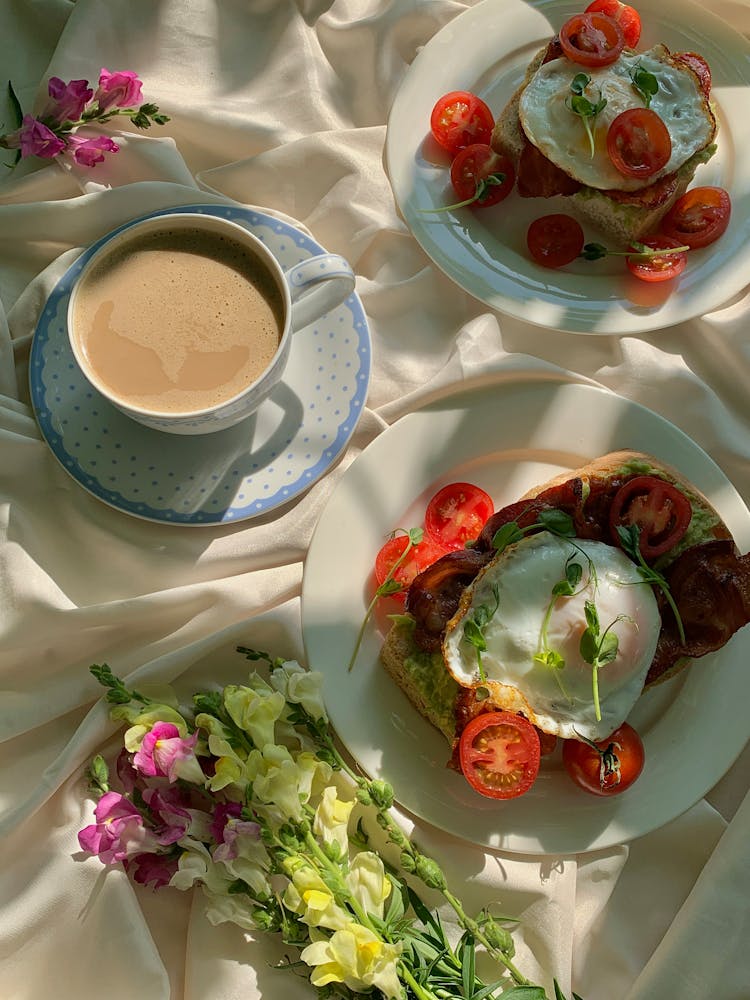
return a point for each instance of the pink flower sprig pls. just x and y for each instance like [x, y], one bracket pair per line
[73, 104]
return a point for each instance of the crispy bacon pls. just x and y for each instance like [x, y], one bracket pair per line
[710, 584]
[434, 594]
[649, 197]
[538, 177]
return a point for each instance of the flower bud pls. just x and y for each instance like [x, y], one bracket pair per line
[382, 794]
[408, 863]
[430, 872]
[499, 938]
[363, 797]
[264, 920]
[397, 837]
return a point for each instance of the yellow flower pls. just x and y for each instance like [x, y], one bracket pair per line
[356, 957]
[332, 820]
[283, 781]
[230, 769]
[255, 711]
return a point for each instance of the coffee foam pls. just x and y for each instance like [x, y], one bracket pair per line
[179, 320]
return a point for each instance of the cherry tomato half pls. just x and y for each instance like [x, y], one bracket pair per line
[638, 143]
[700, 67]
[554, 240]
[592, 39]
[661, 511]
[499, 754]
[480, 174]
[699, 217]
[658, 267]
[418, 558]
[459, 119]
[456, 514]
[607, 767]
[628, 18]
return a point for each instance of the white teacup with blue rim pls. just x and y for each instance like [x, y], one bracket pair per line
[184, 321]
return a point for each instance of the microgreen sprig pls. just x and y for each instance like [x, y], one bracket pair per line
[629, 536]
[566, 587]
[598, 648]
[644, 83]
[388, 587]
[482, 187]
[580, 105]
[595, 251]
[475, 625]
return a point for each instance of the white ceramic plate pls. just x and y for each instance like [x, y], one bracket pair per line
[507, 437]
[227, 476]
[486, 50]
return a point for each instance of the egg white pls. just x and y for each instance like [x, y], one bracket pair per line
[561, 135]
[520, 581]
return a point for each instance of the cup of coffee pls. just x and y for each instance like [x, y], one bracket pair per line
[184, 321]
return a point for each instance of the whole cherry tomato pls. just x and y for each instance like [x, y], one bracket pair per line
[607, 767]
[626, 16]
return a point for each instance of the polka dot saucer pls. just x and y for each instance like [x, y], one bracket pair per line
[245, 471]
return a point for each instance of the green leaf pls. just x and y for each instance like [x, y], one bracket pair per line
[525, 993]
[644, 83]
[588, 646]
[506, 535]
[592, 616]
[16, 107]
[608, 648]
[557, 521]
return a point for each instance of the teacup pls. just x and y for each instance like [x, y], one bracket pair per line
[184, 321]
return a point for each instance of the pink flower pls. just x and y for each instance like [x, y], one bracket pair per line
[174, 820]
[164, 753]
[89, 152]
[119, 831]
[118, 90]
[68, 100]
[152, 868]
[34, 139]
[223, 812]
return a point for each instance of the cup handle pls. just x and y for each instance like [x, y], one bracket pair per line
[317, 285]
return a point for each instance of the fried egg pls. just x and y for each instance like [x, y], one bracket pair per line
[521, 619]
[560, 133]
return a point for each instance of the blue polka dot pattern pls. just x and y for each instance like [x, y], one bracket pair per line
[232, 475]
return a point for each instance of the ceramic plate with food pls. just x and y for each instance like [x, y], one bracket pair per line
[507, 438]
[486, 51]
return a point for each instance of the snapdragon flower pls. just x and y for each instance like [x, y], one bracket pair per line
[119, 831]
[164, 752]
[71, 105]
[356, 957]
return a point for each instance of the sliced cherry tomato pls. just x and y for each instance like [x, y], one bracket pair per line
[592, 39]
[700, 67]
[554, 240]
[456, 514]
[607, 767]
[638, 143]
[628, 18]
[658, 267]
[418, 558]
[699, 217]
[482, 176]
[460, 119]
[499, 754]
[661, 511]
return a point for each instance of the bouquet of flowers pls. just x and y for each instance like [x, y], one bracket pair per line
[70, 105]
[248, 797]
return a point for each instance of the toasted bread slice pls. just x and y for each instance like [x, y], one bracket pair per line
[624, 217]
[423, 677]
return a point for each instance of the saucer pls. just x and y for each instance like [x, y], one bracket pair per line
[243, 472]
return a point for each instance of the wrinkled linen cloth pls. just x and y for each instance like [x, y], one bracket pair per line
[283, 106]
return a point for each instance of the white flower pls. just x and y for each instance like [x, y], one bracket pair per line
[301, 687]
[255, 711]
[221, 909]
[281, 780]
[196, 865]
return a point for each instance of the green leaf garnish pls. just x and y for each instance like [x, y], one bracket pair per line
[475, 625]
[644, 83]
[629, 536]
[580, 105]
[483, 185]
[598, 648]
[595, 251]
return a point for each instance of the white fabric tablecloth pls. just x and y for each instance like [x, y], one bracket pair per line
[283, 105]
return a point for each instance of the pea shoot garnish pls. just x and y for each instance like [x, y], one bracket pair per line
[629, 536]
[566, 587]
[645, 84]
[390, 585]
[475, 625]
[595, 251]
[580, 105]
[598, 648]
